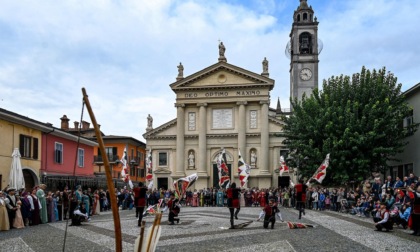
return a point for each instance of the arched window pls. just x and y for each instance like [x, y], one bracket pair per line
[305, 16]
[298, 17]
[305, 43]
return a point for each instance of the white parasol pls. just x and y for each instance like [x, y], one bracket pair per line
[16, 179]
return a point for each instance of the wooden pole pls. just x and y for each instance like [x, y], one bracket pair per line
[143, 226]
[111, 188]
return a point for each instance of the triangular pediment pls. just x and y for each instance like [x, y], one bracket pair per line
[222, 75]
[167, 130]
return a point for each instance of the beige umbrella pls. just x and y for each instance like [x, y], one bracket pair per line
[16, 179]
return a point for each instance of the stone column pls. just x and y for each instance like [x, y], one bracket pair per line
[242, 128]
[202, 140]
[263, 156]
[180, 141]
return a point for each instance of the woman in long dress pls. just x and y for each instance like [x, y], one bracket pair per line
[40, 193]
[242, 199]
[195, 198]
[35, 208]
[4, 217]
[50, 207]
[18, 221]
[26, 207]
[96, 208]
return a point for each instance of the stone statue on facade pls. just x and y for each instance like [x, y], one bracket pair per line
[149, 123]
[253, 158]
[265, 67]
[222, 50]
[180, 71]
[191, 158]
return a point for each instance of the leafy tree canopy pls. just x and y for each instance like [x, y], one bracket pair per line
[358, 120]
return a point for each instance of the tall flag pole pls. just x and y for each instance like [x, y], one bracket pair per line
[224, 176]
[321, 172]
[149, 167]
[125, 175]
[243, 170]
[283, 166]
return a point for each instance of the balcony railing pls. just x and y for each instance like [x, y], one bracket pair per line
[111, 159]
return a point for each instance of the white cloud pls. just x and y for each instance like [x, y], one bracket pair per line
[125, 52]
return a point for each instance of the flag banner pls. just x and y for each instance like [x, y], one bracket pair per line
[125, 174]
[295, 225]
[283, 166]
[153, 209]
[181, 185]
[149, 166]
[243, 169]
[224, 176]
[321, 172]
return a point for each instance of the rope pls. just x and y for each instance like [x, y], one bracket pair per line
[74, 171]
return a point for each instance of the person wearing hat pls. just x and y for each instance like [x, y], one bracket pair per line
[382, 219]
[11, 203]
[140, 201]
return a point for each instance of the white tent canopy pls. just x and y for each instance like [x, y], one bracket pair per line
[16, 179]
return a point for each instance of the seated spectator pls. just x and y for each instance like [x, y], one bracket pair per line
[404, 215]
[361, 210]
[382, 219]
[355, 208]
[389, 200]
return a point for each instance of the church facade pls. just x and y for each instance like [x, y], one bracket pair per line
[225, 106]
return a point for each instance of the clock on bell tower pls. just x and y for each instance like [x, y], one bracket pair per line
[303, 50]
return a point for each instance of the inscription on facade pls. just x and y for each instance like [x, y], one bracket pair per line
[222, 118]
[223, 94]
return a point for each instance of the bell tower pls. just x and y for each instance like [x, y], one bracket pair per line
[303, 50]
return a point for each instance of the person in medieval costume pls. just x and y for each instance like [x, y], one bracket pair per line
[382, 219]
[195, 198]
[42, 199]
[140, 201]
[35, 209]
[262, 198]
[26, 207]
[219, 198]
[86, 201]
[174, 210]
[242, 198]
[270, 211]
[50, 207]
[201, 197]
[11, 203]
[415, 211]
[300, 195]
[233, 202]
[4, 218]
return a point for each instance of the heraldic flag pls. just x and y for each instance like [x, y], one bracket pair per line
[125, 175]
[149, 166]
[283, 166]
[243, 170]
[321, 172]
[181, 185]
[224, 176]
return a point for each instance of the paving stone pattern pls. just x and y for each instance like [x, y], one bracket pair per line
[207, 229]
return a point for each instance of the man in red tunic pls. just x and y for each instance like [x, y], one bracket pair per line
[300, 193]
[233, 202]
[140, 201]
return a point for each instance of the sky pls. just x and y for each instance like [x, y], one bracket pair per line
[125, 52]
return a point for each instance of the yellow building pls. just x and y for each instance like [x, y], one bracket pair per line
[17, 131]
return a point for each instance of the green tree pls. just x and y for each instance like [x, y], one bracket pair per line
[357, 120]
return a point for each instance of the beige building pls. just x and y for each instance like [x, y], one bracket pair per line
[221, 106]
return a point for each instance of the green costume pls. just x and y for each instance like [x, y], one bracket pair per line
[43, 211]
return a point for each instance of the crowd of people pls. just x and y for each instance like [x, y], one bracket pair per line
[389, 203]
[21, 208]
